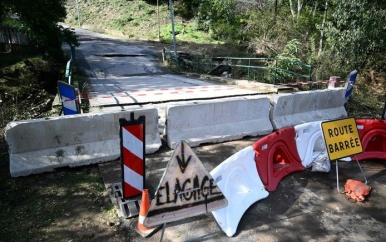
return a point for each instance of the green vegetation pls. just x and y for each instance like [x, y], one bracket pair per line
[27, 87]
[31, 206]
[38, 21]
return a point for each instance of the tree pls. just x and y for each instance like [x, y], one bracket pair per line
[357, 30]
[275, 11]
[295, 12]
[322, 29]
[38, 20]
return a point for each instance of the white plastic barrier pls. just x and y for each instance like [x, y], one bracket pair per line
[240, 183]
[290, 109]
[309, 142]
[217, 120]
[41, 145]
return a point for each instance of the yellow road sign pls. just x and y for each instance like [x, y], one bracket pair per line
[342, 138]
[186, 189]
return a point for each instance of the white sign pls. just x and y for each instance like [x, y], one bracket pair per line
[186, 189]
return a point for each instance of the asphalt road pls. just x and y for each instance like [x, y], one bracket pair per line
[306, 205]
[129, 73]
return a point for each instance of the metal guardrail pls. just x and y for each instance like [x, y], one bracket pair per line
[69, 65]
[11, 35]
[267, 70]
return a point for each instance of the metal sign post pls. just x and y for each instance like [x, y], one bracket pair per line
[173, 32]
[342, 140]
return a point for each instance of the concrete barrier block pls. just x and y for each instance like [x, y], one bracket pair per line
[41, 145]
[291, 109]
[217, 120]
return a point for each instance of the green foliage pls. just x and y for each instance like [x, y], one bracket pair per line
[26, 89]
[357, 30]
[185, 9]
[121, 23]
[149, 11]
[218, 17]
[39, 21]
[285, 63]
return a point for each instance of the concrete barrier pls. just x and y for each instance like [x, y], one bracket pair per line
[217, 120]
[290, 109]
[42, 145]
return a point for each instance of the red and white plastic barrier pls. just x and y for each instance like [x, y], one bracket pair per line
[372, 133]
[276, 156]
[309, 142]
[240, 183]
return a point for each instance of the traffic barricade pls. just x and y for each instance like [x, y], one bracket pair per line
[240, 183]
[349, 86]
[276, 156]
[289, 109]
[372, 133]
[217, 121]
[309, 142]
[41, 145]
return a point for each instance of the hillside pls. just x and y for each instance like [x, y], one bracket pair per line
[135, 19]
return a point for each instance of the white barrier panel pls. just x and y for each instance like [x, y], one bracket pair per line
[309, 142]
[217, 120]
[239, 181]
[42, 145]
[290, 109]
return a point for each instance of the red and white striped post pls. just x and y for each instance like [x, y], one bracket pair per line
[132, 134]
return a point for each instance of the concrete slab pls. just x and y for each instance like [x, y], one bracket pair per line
[155, 89]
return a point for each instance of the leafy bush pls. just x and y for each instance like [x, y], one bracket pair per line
[285, 63]
[27, 89]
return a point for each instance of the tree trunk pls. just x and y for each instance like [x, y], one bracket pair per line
[300, 6]
[314, 10]
[322, 29]
[275, 11]
[292, 9]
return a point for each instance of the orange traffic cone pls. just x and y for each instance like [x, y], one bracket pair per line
[144, 208]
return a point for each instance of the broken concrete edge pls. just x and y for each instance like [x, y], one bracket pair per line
[47, 160]
[22, 167]
[269, 88]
